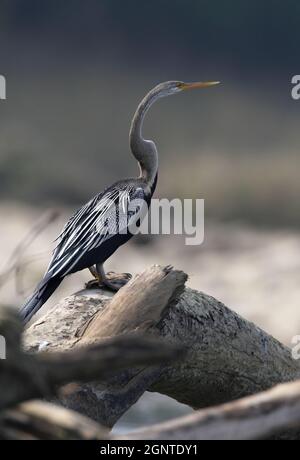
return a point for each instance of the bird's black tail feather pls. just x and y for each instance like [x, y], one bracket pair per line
[44, 290]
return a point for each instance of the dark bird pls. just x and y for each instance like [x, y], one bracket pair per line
[96, 230]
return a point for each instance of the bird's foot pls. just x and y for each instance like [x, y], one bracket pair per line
[112, 281]
[115, 281]
[93, 284]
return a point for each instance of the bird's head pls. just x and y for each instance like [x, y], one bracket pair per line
[172, 87]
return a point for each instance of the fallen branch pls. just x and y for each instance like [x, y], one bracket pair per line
[256, 417]
[25, 376]
[42, 420]
[226, 356]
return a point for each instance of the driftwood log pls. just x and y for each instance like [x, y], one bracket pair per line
[261, 416]
[226, 356]
[25, 376]
[209, 356]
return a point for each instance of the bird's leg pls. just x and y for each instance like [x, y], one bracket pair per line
[111, 281]
[94, 272]
[95, 283]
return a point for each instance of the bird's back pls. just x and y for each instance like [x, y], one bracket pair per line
[97, 229]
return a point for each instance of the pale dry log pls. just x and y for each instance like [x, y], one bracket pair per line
[261, 416]
[134, 309]
[26, 376]
[226, 356]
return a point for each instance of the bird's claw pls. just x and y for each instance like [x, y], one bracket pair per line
[93, 284]
[113, 281]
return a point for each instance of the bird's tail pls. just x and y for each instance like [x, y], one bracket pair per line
[42, 293]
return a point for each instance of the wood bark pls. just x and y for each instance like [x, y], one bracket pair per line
[26, 376]
[261, 416]
[41, 420]
[226, 357]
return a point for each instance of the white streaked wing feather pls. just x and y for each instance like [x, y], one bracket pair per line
[93, 224]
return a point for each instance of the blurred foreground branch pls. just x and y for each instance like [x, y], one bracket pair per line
[94, 338]
[24, 376]
[42, 420]
[261, 416]
[226, 356]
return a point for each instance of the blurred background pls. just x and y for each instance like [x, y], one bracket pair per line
[75, 73]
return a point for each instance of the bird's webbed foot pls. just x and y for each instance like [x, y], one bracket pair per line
[115, 281]
[93, 284]
[112, 281]
[96, 282]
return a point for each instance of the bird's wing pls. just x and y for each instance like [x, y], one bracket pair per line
[101, 218]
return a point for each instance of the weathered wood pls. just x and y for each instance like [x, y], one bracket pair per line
[42, 420]
[261, 416]
[25, 376]
[139, 305]
[226, 356]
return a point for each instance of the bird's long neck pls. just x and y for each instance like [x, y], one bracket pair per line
[144, 150]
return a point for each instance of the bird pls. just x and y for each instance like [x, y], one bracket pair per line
[93, 233]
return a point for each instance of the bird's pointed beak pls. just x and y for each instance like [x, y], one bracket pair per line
[199, 84]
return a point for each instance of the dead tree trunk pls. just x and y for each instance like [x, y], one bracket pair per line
[261, 416]
[226, 357]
